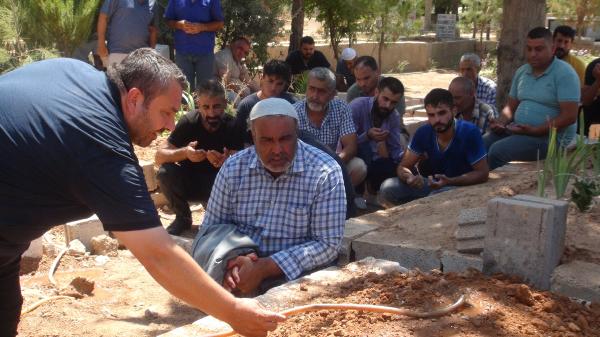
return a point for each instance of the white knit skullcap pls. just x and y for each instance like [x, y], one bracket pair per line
[273, 107]
[348, 54]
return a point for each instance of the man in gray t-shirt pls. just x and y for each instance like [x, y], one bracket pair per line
[125, 25]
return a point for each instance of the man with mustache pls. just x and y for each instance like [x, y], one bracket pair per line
[192, 155]
[287, 196]
[544, 94]
[562, 39]
[469, 66]
[454, 149]
[68, 153]
[329, 119]
[469, 107]
[377, 126]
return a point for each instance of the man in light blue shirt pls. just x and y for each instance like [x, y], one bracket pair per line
[544, 93]
[125, 25]
[287, 196]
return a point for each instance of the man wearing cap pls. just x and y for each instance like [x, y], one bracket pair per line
[284, 194]
[344, 71]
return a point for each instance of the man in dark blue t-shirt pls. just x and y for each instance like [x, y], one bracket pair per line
[66, 134]
[453, 148]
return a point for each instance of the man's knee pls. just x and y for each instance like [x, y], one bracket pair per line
[388, 192]
[168, 174]
[357, 170]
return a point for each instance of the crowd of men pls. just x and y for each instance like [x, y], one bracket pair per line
[278, 179]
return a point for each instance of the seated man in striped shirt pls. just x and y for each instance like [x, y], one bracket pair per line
[287, 196]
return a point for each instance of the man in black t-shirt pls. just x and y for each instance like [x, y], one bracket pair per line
[274, 80]
[590, 97]
[67, 153]
[306, 57]
[190, 159]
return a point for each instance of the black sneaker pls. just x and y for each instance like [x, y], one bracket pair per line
[178, 226]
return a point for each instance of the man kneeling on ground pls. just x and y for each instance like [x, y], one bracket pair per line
[454, 149]
[192, 155]
[287, 196]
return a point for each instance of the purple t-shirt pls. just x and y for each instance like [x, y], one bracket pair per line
[203, 11]
[363, 120]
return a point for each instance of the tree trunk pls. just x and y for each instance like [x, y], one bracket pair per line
[427, 16]
[297, 25]
[333, 33]
[518, 18]
[381, 41]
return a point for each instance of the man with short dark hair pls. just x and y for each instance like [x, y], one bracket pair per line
[192, 155]
[275, 78]
[562, 39]
[72, 156]
[287, 196]
[306, 58]
[378, 128]
[230, 69]
[454, 149]
[368, 75]
[485, 89]
[468, 107]
[544, 94]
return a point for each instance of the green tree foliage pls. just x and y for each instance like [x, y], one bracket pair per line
[393, 19]
[15, 50]
[339, 18]
[62, 24]
[579, 12]
[481, 16]
[253, 19]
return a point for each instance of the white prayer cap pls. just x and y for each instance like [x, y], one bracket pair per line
[348, 54]
[273, 107]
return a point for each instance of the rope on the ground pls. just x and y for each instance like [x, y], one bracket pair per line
[54, 265]
[362, 307]
[42, 301]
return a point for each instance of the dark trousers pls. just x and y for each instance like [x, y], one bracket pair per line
[11, 300]
[181, 184]
[378, 169]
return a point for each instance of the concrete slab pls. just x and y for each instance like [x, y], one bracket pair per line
[413, 123]
[471, 231]
[471, 216]
[84, 230]
[521, 240]
[456, 262]
[577, 279]
[561, 209]
[354, 228]
[470, 246]
[386, 245]
[149, 174]
[289, 294]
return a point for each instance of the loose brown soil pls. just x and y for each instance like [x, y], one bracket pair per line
[497, 306]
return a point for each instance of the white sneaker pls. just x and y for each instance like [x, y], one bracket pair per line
[360, 203]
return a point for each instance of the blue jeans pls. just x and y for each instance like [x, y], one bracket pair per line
[197, 68]
[393, 192]
[506, 148]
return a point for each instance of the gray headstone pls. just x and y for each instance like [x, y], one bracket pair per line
[577, 279]
[522, 239]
